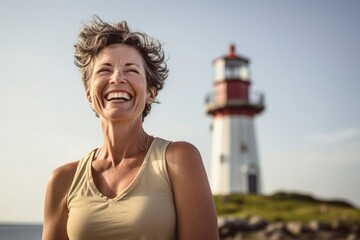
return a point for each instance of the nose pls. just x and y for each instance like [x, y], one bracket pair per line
[117, 77]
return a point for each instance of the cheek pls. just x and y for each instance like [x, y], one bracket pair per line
[97, 86]
[93, 91]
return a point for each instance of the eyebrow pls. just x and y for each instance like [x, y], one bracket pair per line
[130, 64]
[105, 64]
[126, 64]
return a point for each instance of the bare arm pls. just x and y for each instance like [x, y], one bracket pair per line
[55, 209]
[196, 214]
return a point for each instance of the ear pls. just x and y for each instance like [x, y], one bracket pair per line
[87, 91]
[151, 94]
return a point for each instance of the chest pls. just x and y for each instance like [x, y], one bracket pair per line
[145, 209]
[114, 181]
[135, 216]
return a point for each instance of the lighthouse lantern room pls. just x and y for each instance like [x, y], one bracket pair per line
[234, 160]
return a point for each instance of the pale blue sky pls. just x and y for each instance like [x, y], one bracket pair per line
[305, 57]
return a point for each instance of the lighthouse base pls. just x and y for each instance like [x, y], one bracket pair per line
[234, 163]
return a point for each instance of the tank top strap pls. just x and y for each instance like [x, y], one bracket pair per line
[80, 175]
[158, 159]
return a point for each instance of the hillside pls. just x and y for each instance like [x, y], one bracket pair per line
[286, 207]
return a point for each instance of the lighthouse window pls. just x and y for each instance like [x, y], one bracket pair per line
[243, 147]
[222, 158]
[232, 72]
[244, 73]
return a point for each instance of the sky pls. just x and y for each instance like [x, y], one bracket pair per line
[305, 58]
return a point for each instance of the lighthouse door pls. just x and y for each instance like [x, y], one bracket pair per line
[252, 183]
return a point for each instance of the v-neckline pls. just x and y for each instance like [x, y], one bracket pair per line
[126, 190]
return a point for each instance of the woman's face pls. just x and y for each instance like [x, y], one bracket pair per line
[117, 89]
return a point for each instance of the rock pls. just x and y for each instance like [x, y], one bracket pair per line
[257, 228]
[316, 226]
[277, 229]
[297, 228]
[230, 226]
[280, 236]
[353, 236]
[256, 223]
[355, 228]
[340, 227]
[239, 236]
[272, 227]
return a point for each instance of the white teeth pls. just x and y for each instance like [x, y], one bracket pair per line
[118, 95]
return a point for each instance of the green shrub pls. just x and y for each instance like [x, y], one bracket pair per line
[283, 206]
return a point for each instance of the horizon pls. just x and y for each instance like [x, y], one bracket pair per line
[315, 197]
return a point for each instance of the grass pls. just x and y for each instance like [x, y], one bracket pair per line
[286, 207]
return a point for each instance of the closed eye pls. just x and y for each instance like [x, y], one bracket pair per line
[132, 70]
[103, 70]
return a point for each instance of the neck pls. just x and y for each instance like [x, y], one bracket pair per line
[122, 140]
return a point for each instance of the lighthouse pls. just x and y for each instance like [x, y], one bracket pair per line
[234, 158]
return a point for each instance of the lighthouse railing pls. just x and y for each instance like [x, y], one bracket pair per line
[254, 98]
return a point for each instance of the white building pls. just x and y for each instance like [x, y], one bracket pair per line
[234, 159]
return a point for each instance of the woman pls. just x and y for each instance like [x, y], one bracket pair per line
[135, 186]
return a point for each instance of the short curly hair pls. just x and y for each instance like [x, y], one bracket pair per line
[97, 34]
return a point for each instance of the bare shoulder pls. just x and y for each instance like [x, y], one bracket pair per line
[55, 208]
[64, 173]
[57, 188]
[184, 159]
[196, 214]
[61, 177]
[182, 153]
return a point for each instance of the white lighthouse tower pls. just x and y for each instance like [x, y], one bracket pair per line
[234, 159]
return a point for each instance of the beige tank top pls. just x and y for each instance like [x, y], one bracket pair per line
[144, 210]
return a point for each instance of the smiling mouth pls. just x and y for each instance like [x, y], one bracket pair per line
[120, 96]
